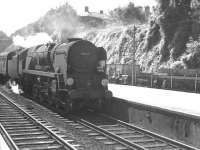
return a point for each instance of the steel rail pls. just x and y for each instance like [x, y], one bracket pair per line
[57, 138]
[11, 144]
[171, 141]
[114, 137]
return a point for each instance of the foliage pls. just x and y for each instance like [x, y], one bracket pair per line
[192, 59]
[129, 14]
[195, 4]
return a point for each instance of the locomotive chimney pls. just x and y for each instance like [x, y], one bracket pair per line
[87, 9]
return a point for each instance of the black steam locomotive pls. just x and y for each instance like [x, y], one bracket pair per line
[70, 75]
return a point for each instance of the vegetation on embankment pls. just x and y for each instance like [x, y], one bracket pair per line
[170, 40]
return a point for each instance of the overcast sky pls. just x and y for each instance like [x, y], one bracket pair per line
[15, 14]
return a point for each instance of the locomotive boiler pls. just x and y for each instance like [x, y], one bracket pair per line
[70, 75]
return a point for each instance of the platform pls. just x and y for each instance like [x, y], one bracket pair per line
[3, 145]
[176, 101]
[172, 114]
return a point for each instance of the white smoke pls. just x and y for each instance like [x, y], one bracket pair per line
[15, 87]
[32, 40]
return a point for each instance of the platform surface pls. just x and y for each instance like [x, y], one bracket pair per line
[180, 102]
[3, 145]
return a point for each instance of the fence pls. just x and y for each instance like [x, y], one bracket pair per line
[182, 80]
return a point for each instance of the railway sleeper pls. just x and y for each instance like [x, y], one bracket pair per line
[21, 128]
[66, 138]
[11, 117]
[123, 132]
[142, 140]
[150, 145]
[10, 114]
[13, 120]
[108, 142]
[45, 146]
[93, 134]
[119, 147]
[24, 131]
[108, 126]
[27, 135]
[35, 142]
[17, 125]
[116, 129]
[132, 136]
[52, 147]
[30, 138]
[101, 138]
[9, 108]
[13, 114]
[86, 130]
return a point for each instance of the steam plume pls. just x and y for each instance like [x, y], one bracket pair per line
[33, 40]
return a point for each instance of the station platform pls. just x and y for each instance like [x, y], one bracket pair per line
[3, 145]
[175, 101]
[173, 114]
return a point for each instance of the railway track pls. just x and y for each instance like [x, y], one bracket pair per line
[114, 134]
[124, 136]
[25, 130]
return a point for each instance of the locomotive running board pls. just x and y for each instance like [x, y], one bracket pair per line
[41, 73]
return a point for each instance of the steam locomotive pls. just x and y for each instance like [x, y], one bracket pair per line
[70, 75]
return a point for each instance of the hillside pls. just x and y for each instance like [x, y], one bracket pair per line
[119, 43]
[170, 40]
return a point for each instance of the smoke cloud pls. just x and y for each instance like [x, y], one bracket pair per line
[33, 40]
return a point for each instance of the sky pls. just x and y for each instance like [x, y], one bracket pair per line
[15, 14]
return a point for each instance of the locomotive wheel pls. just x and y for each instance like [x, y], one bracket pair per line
[41, 97]
[50, 100]
[99, 104]
[65, 102]
[68, 107]
[35, 93]
[57, 106]
[56, 103]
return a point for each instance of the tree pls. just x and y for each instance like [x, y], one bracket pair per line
[170, 28]
[129, 14]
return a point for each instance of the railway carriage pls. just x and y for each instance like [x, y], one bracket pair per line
[11, 63]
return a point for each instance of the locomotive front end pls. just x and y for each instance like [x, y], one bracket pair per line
[86, 77]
